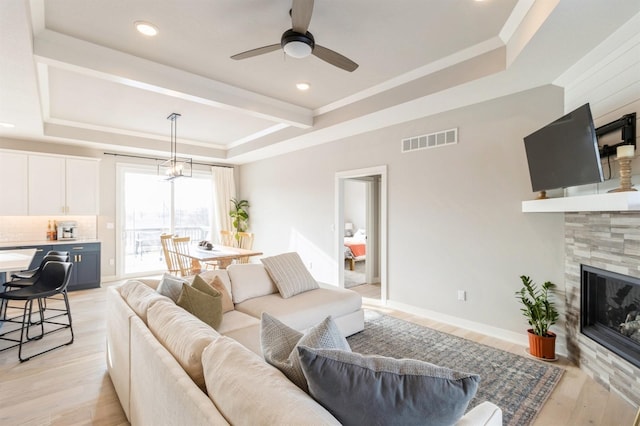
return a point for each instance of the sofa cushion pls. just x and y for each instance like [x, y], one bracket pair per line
[203, 301]
[140, 297]
[248, 391]
[279, 342]
[223, 276]
[249, 337]
[305, 309]
[171, 286]
[249, 280]
[183, 335]
[289, 274]
[127, 287]
[234, 320]
[384, 390]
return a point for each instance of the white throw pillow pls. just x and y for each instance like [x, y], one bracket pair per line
[289, 273]
[249, 280]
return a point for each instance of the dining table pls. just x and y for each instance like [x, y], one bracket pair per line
[15, 260]
[222, 255]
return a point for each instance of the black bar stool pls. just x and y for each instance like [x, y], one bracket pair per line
[52, 280]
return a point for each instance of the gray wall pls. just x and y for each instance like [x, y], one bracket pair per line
[454, 213]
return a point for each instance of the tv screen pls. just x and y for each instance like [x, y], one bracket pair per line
[564, 153]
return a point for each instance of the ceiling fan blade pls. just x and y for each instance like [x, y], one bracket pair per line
[301, 11]
[255, 52]
[334, 58]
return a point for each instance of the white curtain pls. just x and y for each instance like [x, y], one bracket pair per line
[224, 189]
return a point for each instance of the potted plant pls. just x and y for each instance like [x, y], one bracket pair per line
[541, 314]
[239, 216]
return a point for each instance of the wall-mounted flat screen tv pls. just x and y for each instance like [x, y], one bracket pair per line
[564, 153]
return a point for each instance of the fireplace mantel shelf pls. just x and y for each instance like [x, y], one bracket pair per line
[616, 201]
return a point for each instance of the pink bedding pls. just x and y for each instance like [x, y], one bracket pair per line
[358, 249]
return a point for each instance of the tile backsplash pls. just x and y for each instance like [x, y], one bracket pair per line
[34, 228]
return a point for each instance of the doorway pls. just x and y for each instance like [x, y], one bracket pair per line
[361, 225]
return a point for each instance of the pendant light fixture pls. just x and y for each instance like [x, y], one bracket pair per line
[175, 167]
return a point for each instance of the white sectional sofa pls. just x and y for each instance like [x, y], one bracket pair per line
[170, 368]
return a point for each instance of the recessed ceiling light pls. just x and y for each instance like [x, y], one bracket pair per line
[7, 125]
[303, 86]
[146, 28]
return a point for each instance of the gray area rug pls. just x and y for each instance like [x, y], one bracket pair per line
[518, 385]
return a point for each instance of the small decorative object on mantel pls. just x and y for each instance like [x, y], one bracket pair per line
[541, 314]
[624, 156]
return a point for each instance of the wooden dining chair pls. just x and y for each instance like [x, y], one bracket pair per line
[168, 251]
[226, 239]
[244, 241]
[186, 265]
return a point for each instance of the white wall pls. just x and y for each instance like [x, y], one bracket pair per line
[355, 203]
[609, 79]
[454, 213]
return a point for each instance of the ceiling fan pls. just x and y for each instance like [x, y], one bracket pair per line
[299, 43]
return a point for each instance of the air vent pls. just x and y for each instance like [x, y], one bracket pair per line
[432, 140]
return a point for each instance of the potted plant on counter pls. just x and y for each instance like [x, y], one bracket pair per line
[541, 314]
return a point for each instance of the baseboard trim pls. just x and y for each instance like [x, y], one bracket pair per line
[487, 330]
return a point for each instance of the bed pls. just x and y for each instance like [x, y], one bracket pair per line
[355, 248]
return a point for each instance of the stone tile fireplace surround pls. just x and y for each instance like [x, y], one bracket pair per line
[610, 241]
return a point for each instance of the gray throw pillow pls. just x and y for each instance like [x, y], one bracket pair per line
[279, 343]
[376, 390]
[171, 286]
[289, 274]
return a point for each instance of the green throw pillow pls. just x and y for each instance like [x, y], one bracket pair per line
[367, 389]
[205, 305]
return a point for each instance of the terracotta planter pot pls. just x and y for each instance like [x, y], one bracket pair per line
[542, 346]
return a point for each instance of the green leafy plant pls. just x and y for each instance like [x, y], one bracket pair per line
[239, 216]
[539, 310]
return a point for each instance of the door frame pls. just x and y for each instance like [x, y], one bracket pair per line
[340, 178]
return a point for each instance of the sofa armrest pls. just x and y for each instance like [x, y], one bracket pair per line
[485, 414]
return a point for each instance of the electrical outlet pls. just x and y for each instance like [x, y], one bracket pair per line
[112, 262]
[462, 295]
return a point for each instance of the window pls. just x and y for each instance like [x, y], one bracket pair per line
[150, 206]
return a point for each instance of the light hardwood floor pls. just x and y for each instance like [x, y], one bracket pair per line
[70, 386]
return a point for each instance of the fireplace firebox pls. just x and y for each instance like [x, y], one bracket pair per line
[610, 311]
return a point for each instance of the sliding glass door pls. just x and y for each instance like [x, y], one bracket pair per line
[149, 206]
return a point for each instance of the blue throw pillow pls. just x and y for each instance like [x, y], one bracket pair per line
[375, 390]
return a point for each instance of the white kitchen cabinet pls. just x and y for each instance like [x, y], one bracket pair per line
[46, 185]
[82, 186]
[13, 184]
[62, 186]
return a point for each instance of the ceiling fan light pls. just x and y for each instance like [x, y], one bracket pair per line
[297, 49]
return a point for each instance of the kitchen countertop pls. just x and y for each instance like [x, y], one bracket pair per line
[46, 242]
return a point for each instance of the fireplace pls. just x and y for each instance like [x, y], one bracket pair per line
[610, 311]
